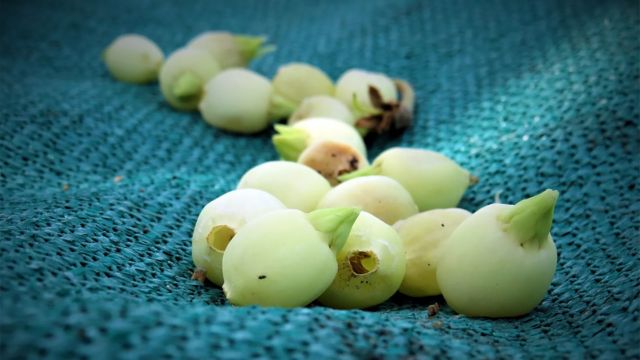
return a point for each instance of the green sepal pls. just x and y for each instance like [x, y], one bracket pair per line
[289, 141]
[362, 131]
[252, 47]
[281, 107]
[530, 219]
[187, 85]
[336, 223]
[360, 110]
[365, 171]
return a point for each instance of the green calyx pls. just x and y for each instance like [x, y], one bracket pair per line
[361, 110]
[252, 47]
[362, 130]
[281, 107]
[289, 141]
[530, 219]
[335, 222]
[365, 171]
[187, 86]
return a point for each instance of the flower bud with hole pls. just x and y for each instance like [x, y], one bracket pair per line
[218, 223]
[285, 258]
[371, 266]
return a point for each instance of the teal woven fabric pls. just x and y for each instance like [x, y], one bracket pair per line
[101, 182]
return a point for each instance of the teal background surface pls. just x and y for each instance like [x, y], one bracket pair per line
[528, 95]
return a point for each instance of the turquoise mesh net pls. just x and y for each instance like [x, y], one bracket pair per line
[101, 182]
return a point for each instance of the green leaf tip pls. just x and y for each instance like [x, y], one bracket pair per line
[335, 222]
[252, 47]
[362, 131]
[187, 85]
[280, 107]
[365, 171]
[530, 219]
[289, 141]
[361, 110]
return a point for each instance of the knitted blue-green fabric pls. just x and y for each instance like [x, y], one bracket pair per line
[101, 182]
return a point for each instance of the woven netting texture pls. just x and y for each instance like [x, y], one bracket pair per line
[102, 182]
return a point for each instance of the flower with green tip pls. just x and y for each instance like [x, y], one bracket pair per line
[133, 58]
[183, 76]
[500, 261]
[295, 82]
[237, 100]
[285, 258]
[371, 266]
[329, 146]
[291, 141]
[433, 180]
[296, 185]
[424, 235]
[218, 223]
[231, 50]
[322, 106]
[380, 196]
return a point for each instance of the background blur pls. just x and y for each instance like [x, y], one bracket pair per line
[101, 182]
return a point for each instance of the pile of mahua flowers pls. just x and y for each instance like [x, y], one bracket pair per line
[324, 224]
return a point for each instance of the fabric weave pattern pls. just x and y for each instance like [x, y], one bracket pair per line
[101, 182]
